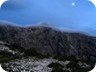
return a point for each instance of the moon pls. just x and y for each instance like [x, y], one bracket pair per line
[73, 4]
[1, 2]
[94, 2]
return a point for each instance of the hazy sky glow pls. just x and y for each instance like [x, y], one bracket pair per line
[72, 14]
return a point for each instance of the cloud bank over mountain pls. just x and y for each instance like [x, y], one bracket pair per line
[60, 14]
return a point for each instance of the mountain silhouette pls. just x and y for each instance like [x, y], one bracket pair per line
[47, 41]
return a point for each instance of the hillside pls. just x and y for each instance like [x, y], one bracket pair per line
[46, 41]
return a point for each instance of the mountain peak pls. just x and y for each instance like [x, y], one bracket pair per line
[45, 24]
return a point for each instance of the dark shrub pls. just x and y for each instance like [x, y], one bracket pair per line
[55, 65]
[75, 67]
[59, 70]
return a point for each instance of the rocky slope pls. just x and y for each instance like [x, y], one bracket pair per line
[33, 64]
[13, 60]
[46, 41]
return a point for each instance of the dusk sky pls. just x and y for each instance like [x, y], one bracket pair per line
[78, 15]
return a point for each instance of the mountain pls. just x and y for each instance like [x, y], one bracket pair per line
[47, 41]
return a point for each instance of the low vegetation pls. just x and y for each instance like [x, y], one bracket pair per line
[74, 67]
[6, 56]
[55, 65]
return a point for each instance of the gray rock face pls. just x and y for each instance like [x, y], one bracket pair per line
[40, 65]
[48, 41]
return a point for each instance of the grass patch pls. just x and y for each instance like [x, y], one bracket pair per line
[65, 57]
[55, 65]
[59, 70]
[6, 57]
[75, 67]
[27, 52]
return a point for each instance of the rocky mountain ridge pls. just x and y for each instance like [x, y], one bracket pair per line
[49, 42]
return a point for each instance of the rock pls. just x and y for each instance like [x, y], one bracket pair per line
[43, 40]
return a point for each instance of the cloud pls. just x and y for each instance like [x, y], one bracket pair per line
[59, 13]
